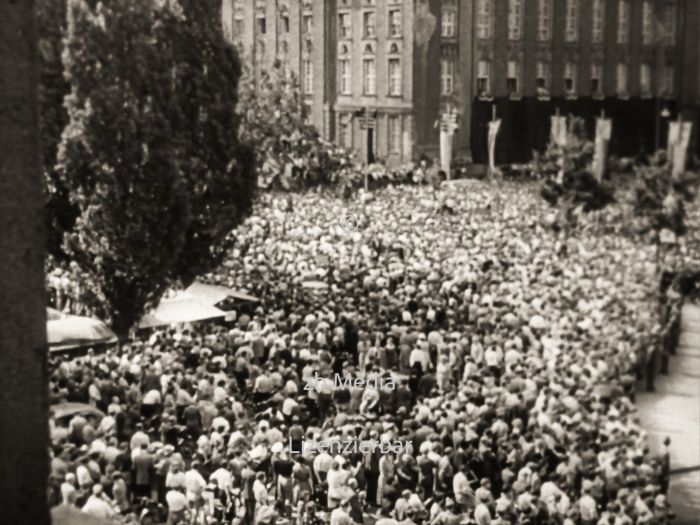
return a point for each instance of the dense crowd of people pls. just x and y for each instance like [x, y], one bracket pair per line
[501, 355]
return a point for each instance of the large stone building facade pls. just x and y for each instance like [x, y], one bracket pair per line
[379, 75]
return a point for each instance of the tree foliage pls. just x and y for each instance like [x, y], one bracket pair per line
[218, 169]
[568, 180]
[51, 25]
[274, 118]
[660, 197]
[150, 154]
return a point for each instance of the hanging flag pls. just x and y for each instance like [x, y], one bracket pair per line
[603, 132]
[494, 126]
[563, 131]
[554, 130]
[681, 148]
[558, 131]
[674, 135]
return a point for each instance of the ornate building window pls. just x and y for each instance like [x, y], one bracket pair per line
[645, 80]
[621, 73]
[667, 86]
[344, 25]
[344, 71]
[515, 19]
[394, 67]
[544, 20]
[572, 18]
[447, 75]
[307, 23]
[484, 19]
[395, 20]
[598, 22]
[448, 22]
[307, 72]
[623, 22]
[597, 80]
[483, 78]
[369, 76]
[542, 76]
[369, 24]
[261, 25]
[513, 78]
[647, 22]
[669, 22]
[394, 131]
[570, 78]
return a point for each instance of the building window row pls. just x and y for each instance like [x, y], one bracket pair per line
[369, 24]
[572, 20]
[570, 79]
[369, 75]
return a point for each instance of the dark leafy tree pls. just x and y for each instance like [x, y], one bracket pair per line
[219, 171]
[51, 25]
[568, 181]
[660, 198]
[151, 155]
[292, 154]
[116, 156]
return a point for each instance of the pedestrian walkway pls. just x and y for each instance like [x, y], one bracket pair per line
[674, 411]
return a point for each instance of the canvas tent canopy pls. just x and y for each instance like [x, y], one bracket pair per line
[213, 294]
[183, 308]
[196, 303]
[67, 332]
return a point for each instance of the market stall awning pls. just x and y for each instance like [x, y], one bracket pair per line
[64, 410]
[66, 332]
[213, 294]
[183, 308]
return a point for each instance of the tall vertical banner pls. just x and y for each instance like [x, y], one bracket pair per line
[681, 148]
[559, 131]
[494, 126]
[674, 135]
[446, 150]
[603, 132]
